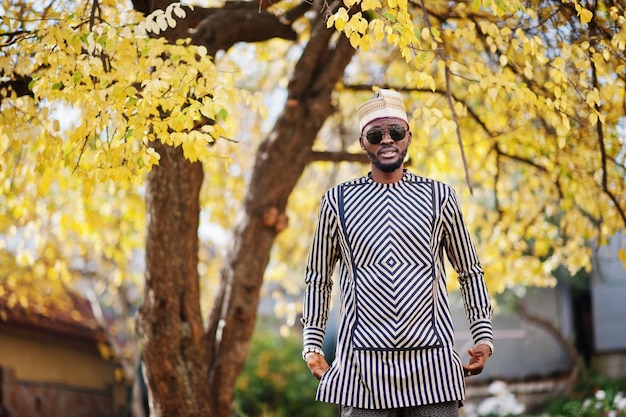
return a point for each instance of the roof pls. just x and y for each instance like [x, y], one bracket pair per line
[71, 316]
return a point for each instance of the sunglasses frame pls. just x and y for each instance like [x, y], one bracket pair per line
[395, 129]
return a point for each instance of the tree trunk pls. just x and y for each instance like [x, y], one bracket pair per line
[187, 377]
[280, 161]
[170, 320]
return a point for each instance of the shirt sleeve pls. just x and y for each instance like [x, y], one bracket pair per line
[321, 262]
[464, 259]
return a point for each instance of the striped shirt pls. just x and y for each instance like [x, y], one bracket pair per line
[395, 343]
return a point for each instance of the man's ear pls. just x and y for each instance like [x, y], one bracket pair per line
[410, 138]
[361, 142]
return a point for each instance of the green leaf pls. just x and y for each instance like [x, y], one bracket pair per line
[57, 86]
[390, 17]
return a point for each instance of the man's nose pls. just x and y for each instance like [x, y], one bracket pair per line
[386, 137]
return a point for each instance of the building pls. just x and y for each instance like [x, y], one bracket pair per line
[54, 362]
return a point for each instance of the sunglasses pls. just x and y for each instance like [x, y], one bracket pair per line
[396, 133]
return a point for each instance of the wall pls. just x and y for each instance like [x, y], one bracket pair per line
[48, 375]
[523, 351]
[608, 292]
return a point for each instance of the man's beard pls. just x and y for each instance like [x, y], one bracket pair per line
[390, 167]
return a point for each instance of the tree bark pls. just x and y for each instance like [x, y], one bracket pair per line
[170, 320]
[186, 377]
[280, 161]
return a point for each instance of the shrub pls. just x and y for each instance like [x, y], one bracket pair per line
[600, 403]
[275, 381]
[595, 396]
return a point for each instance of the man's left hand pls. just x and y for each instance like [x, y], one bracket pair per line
[478, 359]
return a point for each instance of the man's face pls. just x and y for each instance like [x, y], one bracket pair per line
[386, 142]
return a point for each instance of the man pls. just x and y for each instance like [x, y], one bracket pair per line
[388, 231]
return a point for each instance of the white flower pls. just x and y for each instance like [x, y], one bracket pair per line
[600, 395]
[498, 388]
[620, 401]
[518, 408]
[488, 406]
[503, 403]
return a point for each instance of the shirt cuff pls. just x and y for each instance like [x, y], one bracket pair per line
[309, 349]
[487, 342]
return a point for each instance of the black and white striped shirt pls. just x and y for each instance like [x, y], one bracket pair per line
[395, 344]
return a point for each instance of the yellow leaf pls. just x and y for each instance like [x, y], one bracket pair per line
[120, 375]
[585, 15]
[330, 21]
[23, 300]
[367, 42]
[355, 39]
[370, 5]
[341, 18]
[105, 351]
[378, 28]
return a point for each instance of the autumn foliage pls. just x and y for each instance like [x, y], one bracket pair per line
[517, 104]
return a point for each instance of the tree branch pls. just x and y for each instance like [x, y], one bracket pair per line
[459, 137]
[553, 331]
[19, 85]
[529, 162]
[521, 159]
[221, 27]
[603, 157]
[239, 21]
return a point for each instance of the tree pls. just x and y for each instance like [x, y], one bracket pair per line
[531, 91]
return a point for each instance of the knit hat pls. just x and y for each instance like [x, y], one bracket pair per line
[384, 103]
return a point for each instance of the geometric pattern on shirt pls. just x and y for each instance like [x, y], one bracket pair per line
[393, 266]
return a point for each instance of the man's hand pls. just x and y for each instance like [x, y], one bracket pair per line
[478, 360]
[317, 364]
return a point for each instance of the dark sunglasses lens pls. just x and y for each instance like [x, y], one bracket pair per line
[397, 133]
[374, 136]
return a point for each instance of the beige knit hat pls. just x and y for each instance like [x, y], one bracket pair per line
[384, 103]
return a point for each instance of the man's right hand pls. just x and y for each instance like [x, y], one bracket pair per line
[317, 364]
